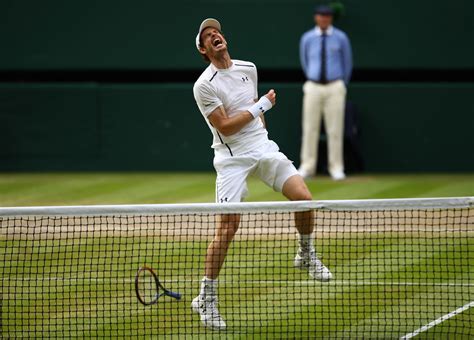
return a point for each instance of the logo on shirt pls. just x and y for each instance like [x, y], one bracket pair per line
[244, 79]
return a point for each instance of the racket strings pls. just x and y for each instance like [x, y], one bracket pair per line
[147, 287]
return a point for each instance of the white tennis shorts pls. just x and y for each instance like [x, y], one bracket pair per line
[267, 163]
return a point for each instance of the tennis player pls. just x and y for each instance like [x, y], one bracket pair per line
[226, 94]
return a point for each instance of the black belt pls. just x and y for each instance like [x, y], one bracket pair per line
[324, 82]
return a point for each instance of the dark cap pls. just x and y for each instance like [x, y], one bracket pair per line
[323, 10]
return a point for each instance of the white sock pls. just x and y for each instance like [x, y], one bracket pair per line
[306, 242]
[208, 287]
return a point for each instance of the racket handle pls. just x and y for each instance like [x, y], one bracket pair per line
[177, 296]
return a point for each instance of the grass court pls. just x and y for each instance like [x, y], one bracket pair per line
[386, 284]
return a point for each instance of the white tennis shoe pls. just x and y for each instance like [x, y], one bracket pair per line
[207, 308]
[338, 175]
[304, 173]
[309, 261]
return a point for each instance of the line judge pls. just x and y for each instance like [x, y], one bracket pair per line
[326, 59]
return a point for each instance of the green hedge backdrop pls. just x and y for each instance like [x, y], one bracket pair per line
[405, 126]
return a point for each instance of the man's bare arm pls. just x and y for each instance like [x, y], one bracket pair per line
[230, 125]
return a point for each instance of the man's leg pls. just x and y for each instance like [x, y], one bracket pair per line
[295, 189]
[206, 302]
[334, 122]
[217, 250]
[232, 173]
[311, 124]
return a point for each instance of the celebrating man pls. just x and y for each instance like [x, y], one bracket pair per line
[226, 94]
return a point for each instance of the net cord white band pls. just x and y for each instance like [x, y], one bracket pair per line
[242, 208]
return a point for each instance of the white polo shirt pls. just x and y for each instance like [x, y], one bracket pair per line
[235, 88]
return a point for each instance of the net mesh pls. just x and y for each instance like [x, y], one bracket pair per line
[397, 272]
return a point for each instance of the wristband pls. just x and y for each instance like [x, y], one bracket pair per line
[263, 105]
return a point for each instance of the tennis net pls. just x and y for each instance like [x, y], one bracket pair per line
[401, 269]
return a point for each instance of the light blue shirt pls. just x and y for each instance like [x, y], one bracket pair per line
[338, 54]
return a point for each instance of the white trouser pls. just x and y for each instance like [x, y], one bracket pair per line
[328, 102]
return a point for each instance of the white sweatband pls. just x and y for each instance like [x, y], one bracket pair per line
[263, 105]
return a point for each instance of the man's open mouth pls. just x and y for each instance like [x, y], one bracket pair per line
[217, 42]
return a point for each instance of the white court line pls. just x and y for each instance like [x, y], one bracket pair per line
[438, 321]
[276, 282]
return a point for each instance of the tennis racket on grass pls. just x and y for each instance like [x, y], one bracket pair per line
[148, 287]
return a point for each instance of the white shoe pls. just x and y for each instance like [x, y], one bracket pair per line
[207, 308]
[304, 174]
[309, 261]
[338, 175]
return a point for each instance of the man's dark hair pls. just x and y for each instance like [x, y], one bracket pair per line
[204, 56]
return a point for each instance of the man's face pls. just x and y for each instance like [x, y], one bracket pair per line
[323, 21]
[212, 42]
